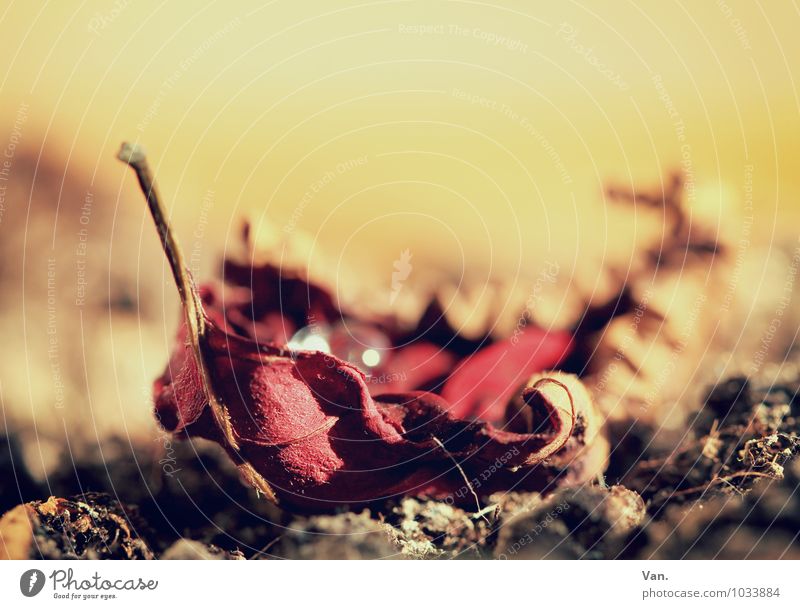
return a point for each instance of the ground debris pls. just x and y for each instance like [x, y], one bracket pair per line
[727, 491]
[183, 490]
[436, 529]
[88, 526]
[188, 549]
[742, 435]
[762, 524]
[585, 522]
[347, 535]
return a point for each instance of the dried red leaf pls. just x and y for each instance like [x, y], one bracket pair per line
[482, 385]
[304, 427]
[308, 425]
[411, 367]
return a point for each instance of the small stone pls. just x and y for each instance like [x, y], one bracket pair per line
[188, 549]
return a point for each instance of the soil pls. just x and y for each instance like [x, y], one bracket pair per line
[727, 491]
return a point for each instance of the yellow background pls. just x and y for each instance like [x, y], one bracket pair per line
[257, 101]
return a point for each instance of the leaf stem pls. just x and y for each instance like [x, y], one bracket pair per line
[134, 155]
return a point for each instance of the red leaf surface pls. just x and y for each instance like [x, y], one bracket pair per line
[304, 427]
[312, 427]
[308, 425]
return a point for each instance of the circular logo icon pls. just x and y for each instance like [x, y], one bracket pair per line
[31, 582]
